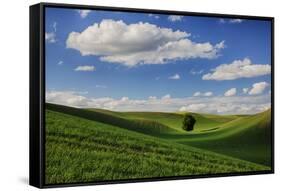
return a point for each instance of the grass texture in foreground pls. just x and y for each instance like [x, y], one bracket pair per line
[83, 146]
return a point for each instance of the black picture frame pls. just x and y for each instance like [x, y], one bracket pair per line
[37, 93]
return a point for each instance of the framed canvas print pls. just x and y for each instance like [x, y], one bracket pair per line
[127, 95]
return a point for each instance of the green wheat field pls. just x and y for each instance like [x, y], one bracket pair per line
[87, 145]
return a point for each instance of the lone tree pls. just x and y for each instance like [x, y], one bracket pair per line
[188, 122]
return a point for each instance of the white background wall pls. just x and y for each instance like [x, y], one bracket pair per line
[14, 39]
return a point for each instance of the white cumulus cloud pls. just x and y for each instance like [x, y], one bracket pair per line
[230, 92]
[197, 94]
[235, 20]
[83, 13]
[60, 62]
[154, 16]
[196, 107]
[245, 90]
[50, 37]
[231, 21]
[258, 88]
[238, 69]
[174, 18]
[55, 24]
[194, 72]
[138, 43]
[206, 94]
[175, 77]
[68, 98]
[167, 96]
[152, 97]
[85, 68]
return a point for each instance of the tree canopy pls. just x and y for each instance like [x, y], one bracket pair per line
[188, 122]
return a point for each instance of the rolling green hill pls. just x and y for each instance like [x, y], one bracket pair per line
[248, 138]
[242, 136]
[173, 120]
[143, 126]
[93, 145]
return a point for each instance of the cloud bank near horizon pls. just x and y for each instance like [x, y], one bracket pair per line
[212, 104]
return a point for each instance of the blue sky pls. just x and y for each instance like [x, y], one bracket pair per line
[134, 61]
